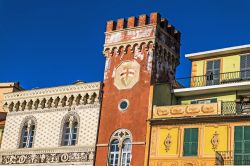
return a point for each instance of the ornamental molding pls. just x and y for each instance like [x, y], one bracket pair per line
[215, 141]
[123, 48]
[74, 108]
[48, 156]
[186, 110]
[60, 90]
[59, 97]
[121, 135]
[168, 142]
[130, 35]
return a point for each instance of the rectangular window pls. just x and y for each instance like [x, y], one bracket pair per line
[245, 67]
[213, 72]
[242, 145]
[190, 147]
[205, 101]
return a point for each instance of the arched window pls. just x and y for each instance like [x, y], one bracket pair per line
[70, 131]
[120, 148]
[27, 134]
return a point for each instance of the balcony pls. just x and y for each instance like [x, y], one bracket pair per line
[214, 79]
[231, 158]
[191, 110]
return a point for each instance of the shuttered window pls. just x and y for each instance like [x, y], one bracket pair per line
[245, 66]
[242, 145]
[190, 142]
[213, 72]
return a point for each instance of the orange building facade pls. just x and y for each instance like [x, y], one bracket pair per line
[139, 53]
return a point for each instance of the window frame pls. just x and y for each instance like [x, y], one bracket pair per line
[65, 120]
[190, 143]
[246, 68]
[29, 141]
[121, 135]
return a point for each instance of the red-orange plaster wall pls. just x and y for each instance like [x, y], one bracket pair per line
[133, 119]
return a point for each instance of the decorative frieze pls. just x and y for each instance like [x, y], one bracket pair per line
[48, 156]
[59, 97]
[186, 110]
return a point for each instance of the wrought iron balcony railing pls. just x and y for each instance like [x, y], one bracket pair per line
[214, 79]
[231, 158]
[231, 107]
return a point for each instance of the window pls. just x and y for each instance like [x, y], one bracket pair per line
[114, 153]
[123, 104]
[70, 131]
[205, 101]
[27, 134]
[120, 148]
[213, 72]
[126, 152]
[242, 145]
[245, 66]
[190, 142]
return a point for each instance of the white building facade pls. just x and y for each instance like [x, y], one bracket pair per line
[51, 126]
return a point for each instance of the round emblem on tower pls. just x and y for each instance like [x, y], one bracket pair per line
[126, 75]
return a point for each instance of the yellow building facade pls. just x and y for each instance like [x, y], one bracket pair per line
[206, 119]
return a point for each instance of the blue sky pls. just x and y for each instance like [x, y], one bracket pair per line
[47, 43]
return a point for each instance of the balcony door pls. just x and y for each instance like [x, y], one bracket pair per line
[242, 145]
[245, 67]
[213, 72]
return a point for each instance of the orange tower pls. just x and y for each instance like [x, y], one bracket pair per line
[139, 53]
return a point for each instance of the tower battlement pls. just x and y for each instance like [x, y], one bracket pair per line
[132, 22]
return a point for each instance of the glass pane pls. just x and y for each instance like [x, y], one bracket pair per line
[66, 137]
[65, 143]
[73, 142]
[67, 130]
[247, 147]
[238, 147]
[238, 133]
[238, 160]
[74, 136]
[247, 133]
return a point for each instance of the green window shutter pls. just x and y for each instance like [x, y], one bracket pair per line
[190, 142]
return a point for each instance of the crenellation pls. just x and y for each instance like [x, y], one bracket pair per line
[164, 23]
[177, 36]
[110, 26]
[143, 20]
[121, 24]
[132, 22]
[155, 18]
[170, 29]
